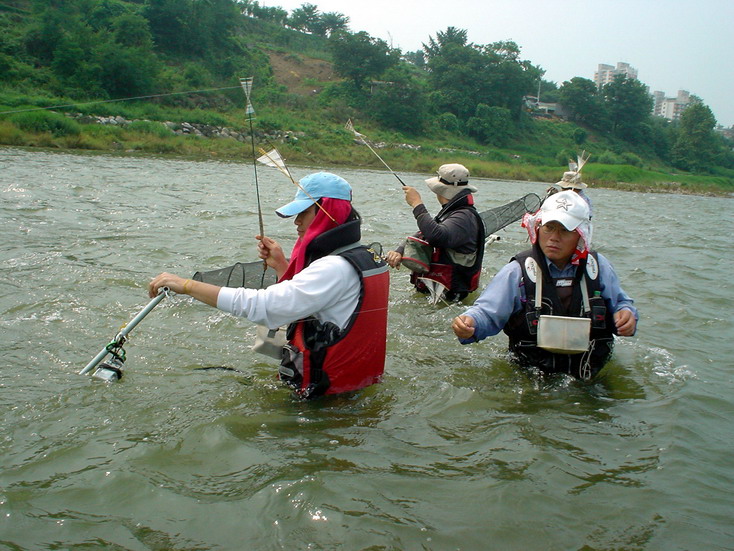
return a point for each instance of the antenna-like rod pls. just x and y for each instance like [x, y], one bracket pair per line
[246, 84]
[349, 126]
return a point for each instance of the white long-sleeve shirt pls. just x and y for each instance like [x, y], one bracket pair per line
[327, 289]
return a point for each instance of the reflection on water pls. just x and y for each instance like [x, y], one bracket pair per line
[455, 449]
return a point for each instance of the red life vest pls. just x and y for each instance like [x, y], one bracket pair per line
[333, 361]
[458, 280]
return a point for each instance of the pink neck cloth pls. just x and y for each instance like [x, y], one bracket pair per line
[339, 209]
[531, 222]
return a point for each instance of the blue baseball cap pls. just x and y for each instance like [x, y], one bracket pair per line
[318, 186]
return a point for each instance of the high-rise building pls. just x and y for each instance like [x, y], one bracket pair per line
[606, 73]
[671, 108]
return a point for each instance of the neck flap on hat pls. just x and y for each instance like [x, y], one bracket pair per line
[531, 223]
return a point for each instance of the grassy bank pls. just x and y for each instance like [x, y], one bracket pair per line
[325, 143]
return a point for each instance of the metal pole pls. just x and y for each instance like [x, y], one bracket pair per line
[125, 330]
[383, 162]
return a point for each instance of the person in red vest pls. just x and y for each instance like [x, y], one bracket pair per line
[452, 241]
[332, 293]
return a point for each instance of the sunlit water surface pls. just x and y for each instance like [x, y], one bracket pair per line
[456, 449]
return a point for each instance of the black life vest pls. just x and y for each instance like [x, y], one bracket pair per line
[320, 358]
[459, 280]
[561, 297]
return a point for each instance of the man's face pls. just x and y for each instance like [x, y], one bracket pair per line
[557, 243]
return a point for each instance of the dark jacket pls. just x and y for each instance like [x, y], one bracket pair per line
[457, 236]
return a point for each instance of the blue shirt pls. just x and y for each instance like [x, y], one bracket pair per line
[505, 295]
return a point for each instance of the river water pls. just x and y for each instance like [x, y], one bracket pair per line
[455, 449]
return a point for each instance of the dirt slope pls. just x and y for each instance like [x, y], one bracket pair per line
[292, 70]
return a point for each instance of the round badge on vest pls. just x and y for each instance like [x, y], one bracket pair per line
[592, 267]
[531, 267]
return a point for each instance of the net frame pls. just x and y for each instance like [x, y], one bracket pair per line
[500, 217]
[240, 274]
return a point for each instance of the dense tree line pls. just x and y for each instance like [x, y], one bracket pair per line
[478, 90]
[117, 48]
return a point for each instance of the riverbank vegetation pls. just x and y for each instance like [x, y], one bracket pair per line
[162, 77]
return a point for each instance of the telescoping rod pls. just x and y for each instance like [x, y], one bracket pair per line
[125, 330]
[383, 162]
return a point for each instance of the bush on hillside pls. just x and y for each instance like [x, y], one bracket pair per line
[46, 121]
[449, 122]
[150, 127]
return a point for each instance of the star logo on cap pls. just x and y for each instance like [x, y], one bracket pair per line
[563, 203]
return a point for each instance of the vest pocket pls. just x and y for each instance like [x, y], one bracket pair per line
[462, 259]
[290, 370]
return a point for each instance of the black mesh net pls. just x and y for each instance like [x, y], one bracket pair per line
[242, 274]
[499, 217]
[250, 274]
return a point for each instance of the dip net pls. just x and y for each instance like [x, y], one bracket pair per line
[241, 274]
[499, 217]
[250, 274]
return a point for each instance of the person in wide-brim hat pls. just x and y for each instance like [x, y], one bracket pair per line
[451, 179]
[451, 243]
[571, 180]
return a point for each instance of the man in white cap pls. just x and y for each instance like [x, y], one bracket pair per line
[453, 239]
[575, 282]
[333, 292]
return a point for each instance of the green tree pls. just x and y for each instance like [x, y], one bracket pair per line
[46, 30]
[400, 101]
[132, 30]
[125, 72]
[417, 58]
[581, 97]
[696, 145]
[663, 134]
[169, 24]
[451, 35]
[464, 75]
[629, 106]
[101, 13]
[274, 14]
[549, 92]
[506, 77]
[333, 22]
[491, 125]
[193, 27]
[359, 57]
[305, 19]
[454, 77]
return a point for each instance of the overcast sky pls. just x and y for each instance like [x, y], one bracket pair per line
[674, 44]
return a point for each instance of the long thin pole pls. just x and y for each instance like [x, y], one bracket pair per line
[383, 162]
[246, 84]
[120, 337]
[257, 186]
[365, 141]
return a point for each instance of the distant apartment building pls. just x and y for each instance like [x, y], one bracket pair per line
[670, 108]
[606, 73]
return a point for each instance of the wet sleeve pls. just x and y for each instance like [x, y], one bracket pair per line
[459, 229]
[611, 289]
[499, 300]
